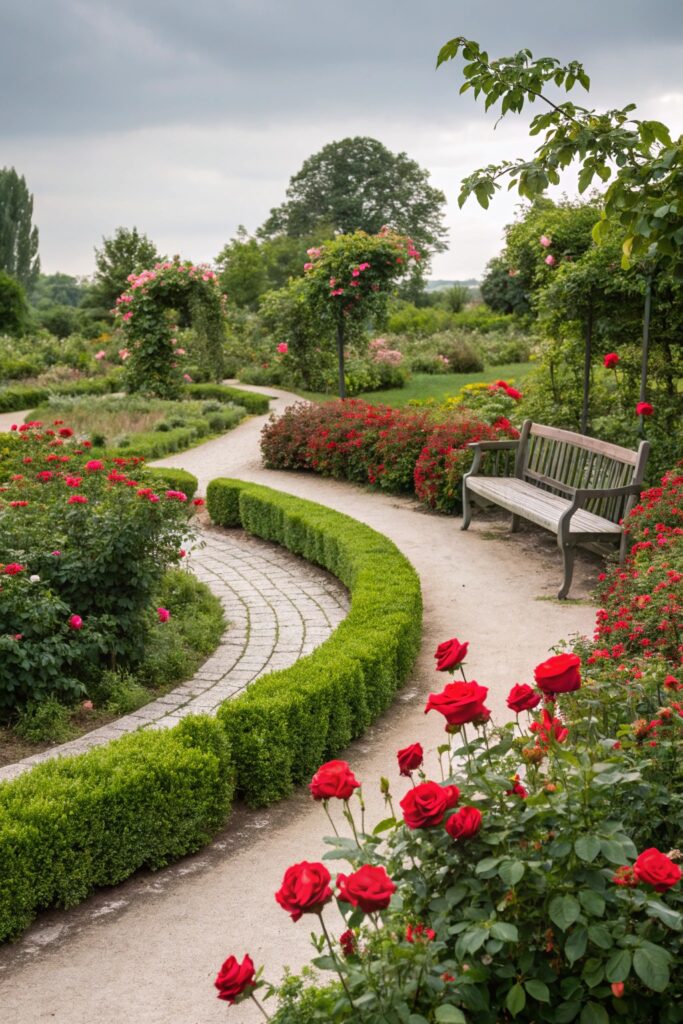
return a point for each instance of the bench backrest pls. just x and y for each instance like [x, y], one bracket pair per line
[561, 461]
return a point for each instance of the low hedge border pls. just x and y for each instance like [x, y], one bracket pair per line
[27, 396]
[75, 823]
[288, 722]
[254, 403]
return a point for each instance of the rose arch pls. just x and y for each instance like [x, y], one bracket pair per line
[146, 313]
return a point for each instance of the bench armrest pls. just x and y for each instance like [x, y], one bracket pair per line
[583, 494]
[479, 447]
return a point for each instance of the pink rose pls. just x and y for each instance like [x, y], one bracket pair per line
[164, 614]
[76, 622]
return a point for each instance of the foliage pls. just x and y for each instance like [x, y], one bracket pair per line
[289, 317]
[357, 184]
[642, 198]
[18, 236]
[26, 396]
[249, 400]
[76, 823]
[84, 545]
[145, 314]
[286, 721]
[502, 289]
[249, 267]
[57, 290]
[127, 252]
[13, 306]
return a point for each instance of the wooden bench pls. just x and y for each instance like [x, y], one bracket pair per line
[578, 487]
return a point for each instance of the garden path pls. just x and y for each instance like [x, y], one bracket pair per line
[147, 951]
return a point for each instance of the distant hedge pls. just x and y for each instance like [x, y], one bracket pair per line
[288, 722]
[250, 400]
[22, 396]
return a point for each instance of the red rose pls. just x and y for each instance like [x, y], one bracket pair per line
[334, 779]
[611, 360]
[644, 409]
[517, 789]
[305, 889]
[459, 702]
[369, 888]
[464, 824]
[410, 758]
[426, 804]
[656, 869]
[559, 674]
[549, 728]
[450, 654]
[13, 568]
[522, 698]
[233, 979]
[452, 796]
[347, 941]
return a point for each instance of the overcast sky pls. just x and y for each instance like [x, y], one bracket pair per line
[187, 119]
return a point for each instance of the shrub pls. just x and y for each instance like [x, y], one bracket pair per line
[249, 400]
[287, 721]
[461, 355]
[76, 823]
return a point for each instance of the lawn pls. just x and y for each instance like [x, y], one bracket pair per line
[436, 386]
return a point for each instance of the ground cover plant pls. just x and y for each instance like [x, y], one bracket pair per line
[422, 450]
[515, 876]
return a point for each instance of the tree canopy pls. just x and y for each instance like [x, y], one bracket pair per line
[357, 184]
[128, 252]
[18, 235]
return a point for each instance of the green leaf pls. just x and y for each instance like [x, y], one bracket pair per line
[587, 848]
[564, 910]
[593, 1013]
[504, 931]
[417, 1018]
[566, 1012]
[486, 864]
[600, 936]
[667, 915]
[592, 903]
[538, 990]
[383, 825]
[651, 964]
[611, 849]
[448, 51]
[447, 1014]
[575, 946]
[618, 967]
[511, 871]
[515, 999]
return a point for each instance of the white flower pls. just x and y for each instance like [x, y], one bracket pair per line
[35, 578]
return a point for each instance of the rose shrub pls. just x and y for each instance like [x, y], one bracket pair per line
[94, 538]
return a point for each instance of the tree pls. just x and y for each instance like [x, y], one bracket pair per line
[18, 236]
[128, 252]
[13, 306]
[57, 289]
[357, 184]
[242, 270]
[639, 158]
[501, 289]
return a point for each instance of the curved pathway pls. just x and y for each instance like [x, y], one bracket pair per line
[146, 952]
[279, 608]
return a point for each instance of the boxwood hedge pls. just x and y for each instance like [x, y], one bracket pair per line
[75, 823]
[290, 721]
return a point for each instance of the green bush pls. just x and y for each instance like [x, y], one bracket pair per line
[289, 721]
[255, 404]
[76, 823]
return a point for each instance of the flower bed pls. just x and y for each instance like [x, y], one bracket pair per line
[540, 879]
[398, 450]
[151, 797]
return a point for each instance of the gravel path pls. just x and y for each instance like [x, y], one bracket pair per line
[146, 952]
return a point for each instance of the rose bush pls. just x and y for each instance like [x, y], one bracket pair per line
[94, 538]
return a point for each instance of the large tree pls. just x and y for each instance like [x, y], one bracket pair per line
[18, 236]
[358, 184]
[128, 252]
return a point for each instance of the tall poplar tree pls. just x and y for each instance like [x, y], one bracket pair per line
[18, 235]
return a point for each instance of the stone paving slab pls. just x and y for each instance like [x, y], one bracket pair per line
[279, 607]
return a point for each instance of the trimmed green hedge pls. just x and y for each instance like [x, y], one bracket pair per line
[27, 397]
[175, 479]
[288, 722]
[250, 400]
[74, 823]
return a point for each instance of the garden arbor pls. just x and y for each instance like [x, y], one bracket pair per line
[146, 313]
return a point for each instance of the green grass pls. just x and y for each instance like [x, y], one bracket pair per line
[437, 387]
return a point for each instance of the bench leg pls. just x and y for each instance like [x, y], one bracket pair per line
[514, 526]
[568, 560]
[466, 507]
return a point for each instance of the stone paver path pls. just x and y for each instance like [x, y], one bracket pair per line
[147, 951]
[279, 608]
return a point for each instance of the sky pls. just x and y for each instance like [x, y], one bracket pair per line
[188, 119]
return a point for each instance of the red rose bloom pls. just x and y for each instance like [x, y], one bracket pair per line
[460, 702]
[559, 674]
[611, 360]
[450, 654]
[410, 758]
[369, 888]
[464, 824]
[548, 728]
[305, 889]
[644, 409]
[426, 804]
[656, 869]
[347, 941]
[452, 796]
[523, 698]
[234, 979]
[334, 779]
[12, 568]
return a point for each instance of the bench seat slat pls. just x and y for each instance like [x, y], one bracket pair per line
[541, 507]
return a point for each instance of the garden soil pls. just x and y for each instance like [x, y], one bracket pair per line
[147, 951]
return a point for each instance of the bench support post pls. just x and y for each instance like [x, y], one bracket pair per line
[466, 507]
[514, 525]
[568, 562]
